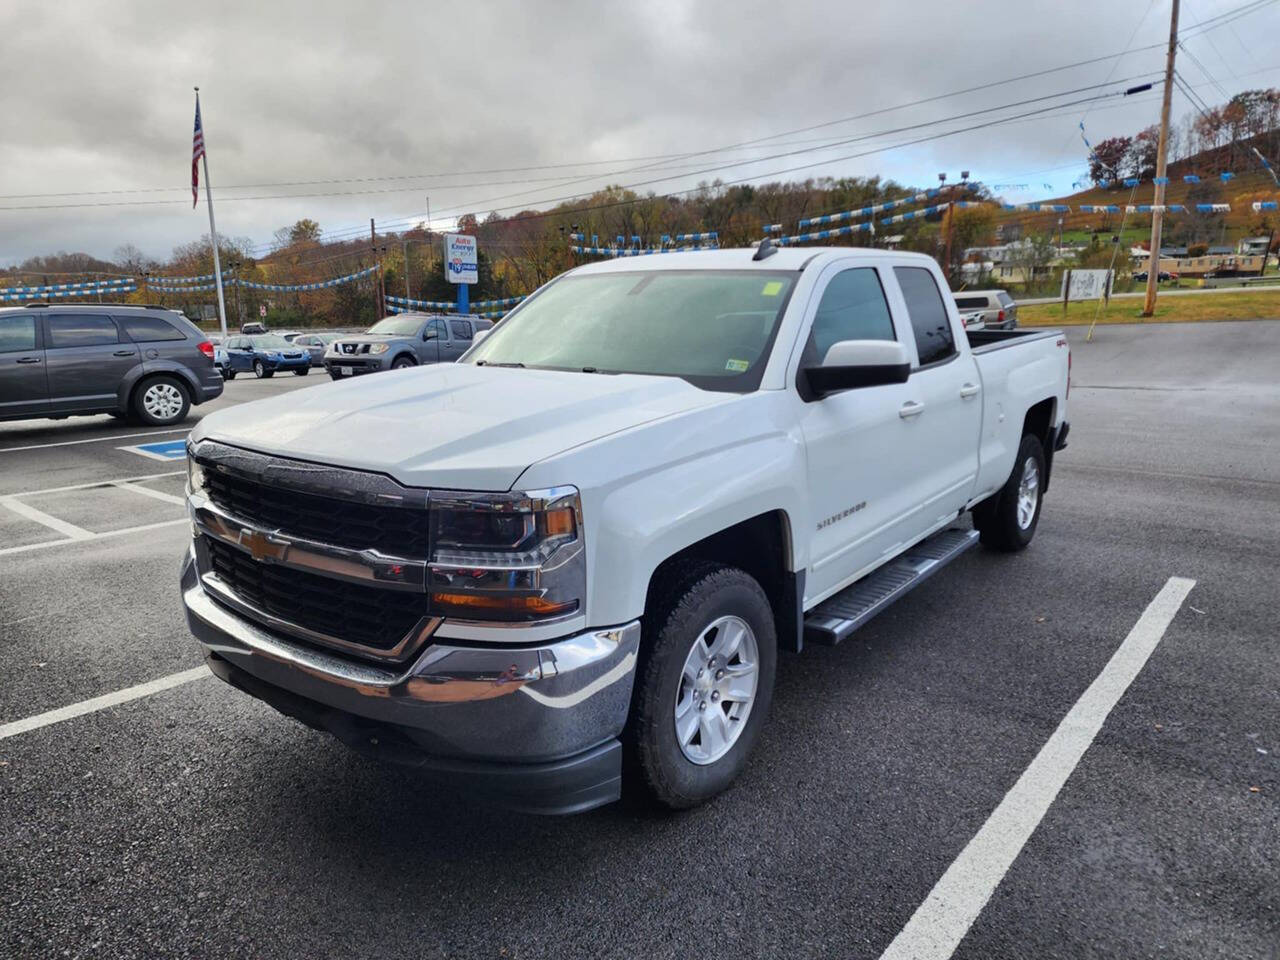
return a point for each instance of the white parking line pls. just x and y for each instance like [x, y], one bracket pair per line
[68, 530]
[97, 483]
[941, 922]
[103, 702]
[91, 537]
[69, 443]
[149, 492]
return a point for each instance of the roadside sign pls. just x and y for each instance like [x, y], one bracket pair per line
[166, 450]
[460, 263]
[262, 310]
[1086, 284]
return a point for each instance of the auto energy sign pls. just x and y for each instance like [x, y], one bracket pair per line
[460, 258]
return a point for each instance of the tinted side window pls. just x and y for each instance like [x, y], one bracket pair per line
[971, 303]
[928, 314]
[436, 331]
[17, 332]
[144, 329]
[68, 330]
[852, 308]
[461, 329]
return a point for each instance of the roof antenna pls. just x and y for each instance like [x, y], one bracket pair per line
[765, 250]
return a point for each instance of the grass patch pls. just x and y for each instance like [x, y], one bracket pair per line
[1252, 305]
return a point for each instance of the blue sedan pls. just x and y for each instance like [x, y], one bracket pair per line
[264, 354]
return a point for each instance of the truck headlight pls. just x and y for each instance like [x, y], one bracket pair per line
[377, 348]
[515, 557]
[195, 474]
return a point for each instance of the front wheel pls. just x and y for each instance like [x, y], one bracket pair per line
[1007, 520]
[260, 370]
[704, 685]
[301, 371]
[401, 362]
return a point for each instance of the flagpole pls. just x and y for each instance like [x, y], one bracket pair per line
[213, 230]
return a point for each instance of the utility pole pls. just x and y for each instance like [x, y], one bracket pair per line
[378, 290]
[1157, 215]
[406, 270]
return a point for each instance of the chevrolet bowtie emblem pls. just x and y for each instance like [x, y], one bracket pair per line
[263, 546]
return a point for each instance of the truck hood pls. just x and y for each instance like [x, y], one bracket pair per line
[456, 426]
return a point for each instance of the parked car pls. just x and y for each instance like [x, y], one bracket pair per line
[131, 361]
[403, 340]
[290, 335]
[601, 526]
[1162, 277]
[253, 327]
[265, 354]
[997, 309]
[315, 344]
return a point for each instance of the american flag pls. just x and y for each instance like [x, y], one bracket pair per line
[197, 151]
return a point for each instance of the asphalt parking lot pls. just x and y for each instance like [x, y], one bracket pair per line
[197, 822]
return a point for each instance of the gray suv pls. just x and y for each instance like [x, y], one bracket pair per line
[140, 362]
[403, 340]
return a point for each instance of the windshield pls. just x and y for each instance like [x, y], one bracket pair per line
[712, 328]
[270, 342]
[397, 326]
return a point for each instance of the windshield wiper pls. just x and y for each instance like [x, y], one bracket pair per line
[490, 363]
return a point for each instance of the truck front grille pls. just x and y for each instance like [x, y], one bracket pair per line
[366, 616]
[392, 531]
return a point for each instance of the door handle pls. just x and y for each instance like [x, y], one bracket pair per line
[123, 353]
[911, 408]
[28, 359]
[969, 390]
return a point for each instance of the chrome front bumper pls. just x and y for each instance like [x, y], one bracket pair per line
[500, 704]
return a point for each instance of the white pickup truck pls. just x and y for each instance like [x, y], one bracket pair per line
[570, 559]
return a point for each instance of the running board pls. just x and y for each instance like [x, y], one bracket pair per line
[836, 617]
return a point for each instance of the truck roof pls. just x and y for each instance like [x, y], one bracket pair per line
[740, 258]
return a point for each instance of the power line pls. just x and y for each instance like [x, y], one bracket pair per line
[485, 204]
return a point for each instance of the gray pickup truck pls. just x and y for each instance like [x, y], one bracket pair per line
[404, 340]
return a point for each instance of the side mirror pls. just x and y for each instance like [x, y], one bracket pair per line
[850, 364]
[431, 335]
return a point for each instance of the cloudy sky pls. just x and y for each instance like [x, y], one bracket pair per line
[343, 111]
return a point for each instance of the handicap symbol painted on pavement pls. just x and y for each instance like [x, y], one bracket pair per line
[164, 450]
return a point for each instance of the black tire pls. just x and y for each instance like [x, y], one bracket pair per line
[402, 361]
[998, 519]
[160, 401]
[689, 599]
[301, 371]
[260, 370]
[228, 374]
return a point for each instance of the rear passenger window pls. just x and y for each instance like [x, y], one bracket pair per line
[852, 308]
[146, 329]
[461, 329]
[928, 314]
[17, 332]
[971, 303]
[68, 330]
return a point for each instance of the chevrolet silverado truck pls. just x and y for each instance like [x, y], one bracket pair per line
[567, 563]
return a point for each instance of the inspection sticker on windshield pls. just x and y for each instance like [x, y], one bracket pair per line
[772, 288]
[737, 366]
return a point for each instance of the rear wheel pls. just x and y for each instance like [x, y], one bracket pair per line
[704, 685]
[162, 400]
[228, 374]
[1007, 520]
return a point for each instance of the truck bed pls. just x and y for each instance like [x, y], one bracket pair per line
[985, 341]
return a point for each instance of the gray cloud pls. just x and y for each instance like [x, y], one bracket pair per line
[97, 97]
